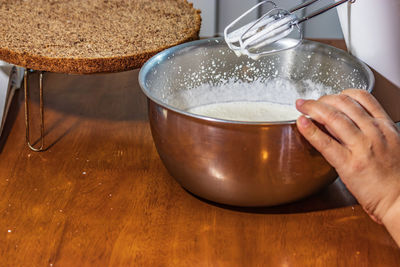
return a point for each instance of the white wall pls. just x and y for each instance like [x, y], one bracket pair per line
[209, 16]
[325, 25]
[229, 10]
[217, 14]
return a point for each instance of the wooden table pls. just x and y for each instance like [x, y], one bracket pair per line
[100, 196]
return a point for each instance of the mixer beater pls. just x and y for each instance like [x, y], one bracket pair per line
[269, 33]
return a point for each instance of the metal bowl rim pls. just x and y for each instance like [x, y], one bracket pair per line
[159, 57]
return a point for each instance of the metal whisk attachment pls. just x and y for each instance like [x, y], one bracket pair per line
[269, 33]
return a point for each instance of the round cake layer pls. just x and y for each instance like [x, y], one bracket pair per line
[75, 36]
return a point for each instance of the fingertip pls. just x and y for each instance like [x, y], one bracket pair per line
[333, 152]
[303, 121]
[299, 103]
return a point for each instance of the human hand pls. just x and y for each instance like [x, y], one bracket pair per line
[364, 149]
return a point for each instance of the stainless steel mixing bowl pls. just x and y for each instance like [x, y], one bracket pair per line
[232, 162]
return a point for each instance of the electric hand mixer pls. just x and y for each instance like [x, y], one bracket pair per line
[268, 34]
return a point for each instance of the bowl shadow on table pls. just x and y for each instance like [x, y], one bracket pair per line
[331, 197]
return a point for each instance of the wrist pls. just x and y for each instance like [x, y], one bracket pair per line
[391, 220]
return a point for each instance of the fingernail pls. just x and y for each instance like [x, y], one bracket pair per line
[304, 121]
[300, 102]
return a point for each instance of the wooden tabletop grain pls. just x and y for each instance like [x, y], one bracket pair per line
[100, 196]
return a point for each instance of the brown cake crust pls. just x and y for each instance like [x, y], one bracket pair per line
[91, 36]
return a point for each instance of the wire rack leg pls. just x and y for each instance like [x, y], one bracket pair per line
[27, 112]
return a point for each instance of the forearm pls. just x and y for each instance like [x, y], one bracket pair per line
[392, 221]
